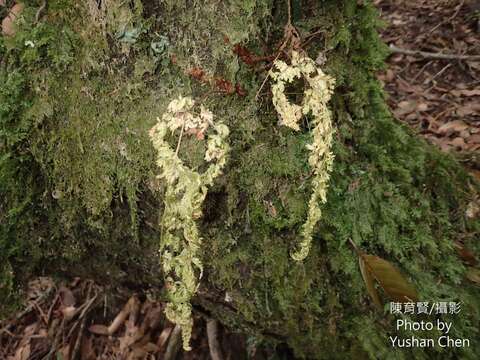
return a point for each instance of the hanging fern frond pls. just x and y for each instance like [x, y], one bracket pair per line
[185, 192]
[316, 96]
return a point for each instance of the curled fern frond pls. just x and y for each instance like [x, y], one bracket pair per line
[316, 96]
[185, 192]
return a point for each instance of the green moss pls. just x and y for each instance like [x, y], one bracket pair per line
[390, 192]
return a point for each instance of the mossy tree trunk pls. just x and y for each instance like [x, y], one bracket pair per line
[79, 91]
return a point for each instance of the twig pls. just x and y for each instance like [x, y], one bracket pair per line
[173, 344]
[311, 36]
[50, 310]
[40, 10]
[315, 33]
[82, 310]
[265, 80]
[441, 113]
[213, 344]
[421, 71]
[10, 333]
[29, 308]
[289, 6]
[284, 44]
[41, 313]
[78, 341]
[56, 341]
[355, 247]
[180, 139]
[91, 301]
[449, 19]
[82, 318]
[289, 33]
[429, 55]
[105, 306]
[438, 74]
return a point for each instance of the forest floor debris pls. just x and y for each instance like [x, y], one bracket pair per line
[439, 98]
[82, 320]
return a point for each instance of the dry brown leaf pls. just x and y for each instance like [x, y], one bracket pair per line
[388, 76]
[469, 109]
[67, 297]
[86, 350]
[396, 287]
[473, 147]
[98, 329]
[397, 58]
[458, 142]
[69, 312]
[473, 275]
[397, 22]
[125, 342]
[369, 282]
[153, 318]
[465, 254]
[445, 147]
[474, 64]
[162, 339]
[422, 106]
[441, 89]
[24, 349]
[150, 347]
[132, 335]
[475, 173]
[64, 352]
[137, 354]
[452, 126]
[465, 134]
[405, 107]
[475, 138]
[467, 93]
[8, 23]
[23, 352]
[433, 139]
[134, 310]
[143, 351]
[122, 315]
[411, 117]
[38, 287]
[473, 210]
[406, 87]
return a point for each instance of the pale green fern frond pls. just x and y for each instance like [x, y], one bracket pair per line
[185, 192]
[316, 97]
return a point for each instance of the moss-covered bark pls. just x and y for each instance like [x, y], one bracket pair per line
[78, 93]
